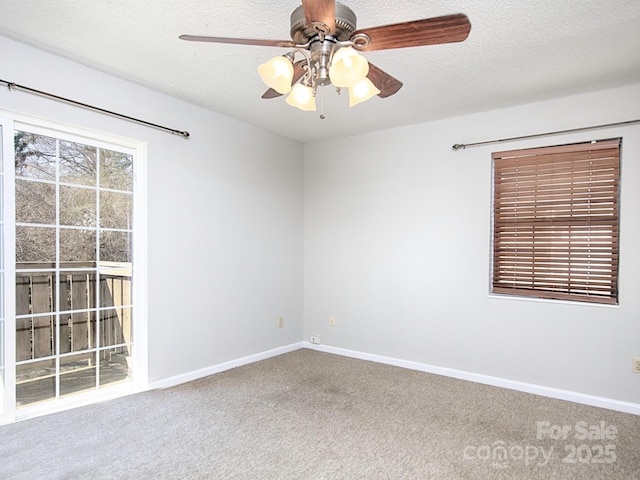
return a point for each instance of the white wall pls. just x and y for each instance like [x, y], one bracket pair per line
[397, 242]
[224, 213]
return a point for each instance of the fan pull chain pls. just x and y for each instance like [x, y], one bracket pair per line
[322, 117]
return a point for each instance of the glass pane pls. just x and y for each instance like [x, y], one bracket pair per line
[115, 326]
[35, 202]
[115, 246]
[35, 382]
[60, 247]
[77, 373]
[115, 365]
[115, 290]
[35, 156]
[77, 290]
[77, 331]
[116, 170]
[35, 244]
[77, 163]
[78, 246]
[116, 210]
[34, 293]
[35, 337]
[77, 206]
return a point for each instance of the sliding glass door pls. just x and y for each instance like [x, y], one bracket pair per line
[2, 296]
[71, 324]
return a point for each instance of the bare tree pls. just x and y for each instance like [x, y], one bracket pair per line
[81, 188]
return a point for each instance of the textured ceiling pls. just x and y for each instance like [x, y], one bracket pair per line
[517, 52]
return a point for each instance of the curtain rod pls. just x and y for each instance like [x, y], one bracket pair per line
[462, 146]
[12, 85]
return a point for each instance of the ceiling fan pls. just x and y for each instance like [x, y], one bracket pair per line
[324, 34]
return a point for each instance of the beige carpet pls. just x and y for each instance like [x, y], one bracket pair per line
[311, 415]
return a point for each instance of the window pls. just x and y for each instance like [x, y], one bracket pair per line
[555, 222]
[72, 311]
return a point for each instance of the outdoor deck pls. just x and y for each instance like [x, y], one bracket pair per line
[73, 328]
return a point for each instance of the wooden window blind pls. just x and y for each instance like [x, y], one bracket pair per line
[555, 222]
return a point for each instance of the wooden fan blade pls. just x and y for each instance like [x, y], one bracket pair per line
[298, 73]
[321, 11]
[383, 81]
[239, 41]
[430, 31]
[271, 93]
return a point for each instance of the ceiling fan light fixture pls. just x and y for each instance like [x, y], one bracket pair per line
[325, 33]
[362, 91]
[302, 97]
[277, 73]
[348, 67]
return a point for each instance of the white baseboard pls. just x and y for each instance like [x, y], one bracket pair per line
[567, 395]
[594, 401]
[221, 367]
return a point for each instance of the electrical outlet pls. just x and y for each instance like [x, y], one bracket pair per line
[280, 322]
[332, 320]
[636, 364]
[315, 339]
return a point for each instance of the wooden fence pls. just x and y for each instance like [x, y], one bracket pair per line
[37, 294]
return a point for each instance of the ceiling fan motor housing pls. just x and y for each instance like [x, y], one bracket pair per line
[317, 35]
[301, 33]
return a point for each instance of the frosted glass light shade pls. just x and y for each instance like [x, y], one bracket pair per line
[362, 91]
[277, 73]
[302, 97]
[348, 67]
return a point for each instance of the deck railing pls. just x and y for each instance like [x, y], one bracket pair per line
[39, 296]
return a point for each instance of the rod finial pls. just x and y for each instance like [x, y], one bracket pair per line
[459, 146]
